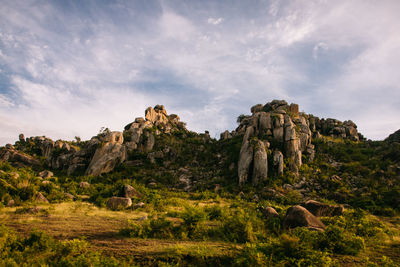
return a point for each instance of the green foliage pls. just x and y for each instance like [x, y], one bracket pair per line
[39, 249]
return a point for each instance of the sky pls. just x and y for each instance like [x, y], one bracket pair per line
[68, 68]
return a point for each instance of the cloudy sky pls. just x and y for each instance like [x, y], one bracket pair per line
[68, 68]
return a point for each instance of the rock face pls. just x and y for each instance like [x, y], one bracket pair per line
[278, 162]
[299, 216]
[320, 209]
[116, 203]
[108, 156]
[260, 169]
[245, 159]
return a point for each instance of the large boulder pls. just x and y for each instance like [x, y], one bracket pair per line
[299, 216]
[116, 203]
[108, 156]
[322, 209]
[260, 165]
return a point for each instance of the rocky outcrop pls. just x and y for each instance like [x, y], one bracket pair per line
[299, 216]
[9, 153]
[108, 155]
[321, 209]
[334, 128]
[116, 203]
[277, 123]
[289, 131]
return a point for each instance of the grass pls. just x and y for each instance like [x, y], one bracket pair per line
[100, 228]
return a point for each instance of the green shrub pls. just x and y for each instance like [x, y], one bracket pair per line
[337, 240]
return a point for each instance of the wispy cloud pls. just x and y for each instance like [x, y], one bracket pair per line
[69, 69]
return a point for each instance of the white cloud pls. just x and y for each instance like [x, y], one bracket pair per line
[73, 73]
[5, 101]
[319, 47]
[215, 21]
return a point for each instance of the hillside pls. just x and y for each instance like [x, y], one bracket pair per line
[284, 188]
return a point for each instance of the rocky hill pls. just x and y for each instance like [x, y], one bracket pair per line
[283, 183]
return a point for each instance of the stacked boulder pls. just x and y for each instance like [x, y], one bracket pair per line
[278, 123]
[290, 133]
[139, 135]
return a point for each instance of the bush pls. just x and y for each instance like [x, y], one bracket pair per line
[337, 240]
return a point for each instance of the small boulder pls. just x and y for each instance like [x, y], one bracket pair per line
[139, 205]
[269, 212]
[152, 184]
[130, 191]
[84, 185]
[46, 174]
[299, 216]
[322, 209]
[41, 198]
[10, 203]
[69, 196]
[116, 203]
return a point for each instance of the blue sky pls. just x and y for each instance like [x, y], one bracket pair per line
[68, 68]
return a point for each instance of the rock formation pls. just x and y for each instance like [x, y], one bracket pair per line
[289, 131]
[278, 123]
[109, 155]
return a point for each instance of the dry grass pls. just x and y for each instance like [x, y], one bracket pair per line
[100, 228]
